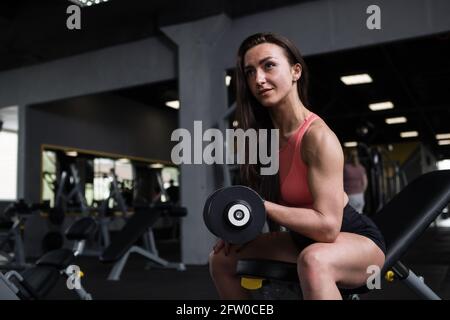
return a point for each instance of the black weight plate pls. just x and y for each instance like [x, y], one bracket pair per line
[206, 207]
[216, 215]
[210, 216]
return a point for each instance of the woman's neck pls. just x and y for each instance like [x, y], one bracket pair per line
[288, 116]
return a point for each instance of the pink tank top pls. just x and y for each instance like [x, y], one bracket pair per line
[294, 189]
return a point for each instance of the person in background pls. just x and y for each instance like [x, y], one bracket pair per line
[355, 180]
[173, 192]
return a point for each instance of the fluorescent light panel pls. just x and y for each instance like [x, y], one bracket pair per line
[443, 142]
[381, 106]
[71, 153]
[227, 80]
[441, 136]
[350, 144]
[175, 104]
[123, 161]
[87, 3]
[356, 79]
[409, 134]
[396, 120]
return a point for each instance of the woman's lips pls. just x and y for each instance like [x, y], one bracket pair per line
[264, 92]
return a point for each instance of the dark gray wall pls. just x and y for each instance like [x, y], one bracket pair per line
[122, 66]
[105, 123]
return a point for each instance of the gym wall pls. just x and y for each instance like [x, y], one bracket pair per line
[104, 122]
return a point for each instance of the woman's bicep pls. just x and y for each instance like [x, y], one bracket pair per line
[325, 174]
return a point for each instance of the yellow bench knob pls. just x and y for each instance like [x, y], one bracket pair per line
[389, 276]
[251, 283]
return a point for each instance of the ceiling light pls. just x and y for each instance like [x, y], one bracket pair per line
[356, 79]
[156, 166]
[443, 136]
[235, 123]
[443, 142]
[409, 134]
[381, 106]
[71, 153]
[350, 144]
[123, 161]
[175, 104]
[396, 120]
[227, 80]
[84, 3]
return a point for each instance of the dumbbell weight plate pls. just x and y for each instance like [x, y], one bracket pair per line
[235, 214]
[208, 204]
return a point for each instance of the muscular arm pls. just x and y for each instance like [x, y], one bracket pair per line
[322, 153]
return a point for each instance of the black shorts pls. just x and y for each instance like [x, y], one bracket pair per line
[352, 222]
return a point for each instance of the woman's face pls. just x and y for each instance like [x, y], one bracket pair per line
[269, 75]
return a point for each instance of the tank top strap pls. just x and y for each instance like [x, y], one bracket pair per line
[309, 120]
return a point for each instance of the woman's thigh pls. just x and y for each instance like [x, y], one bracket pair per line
[349, 258]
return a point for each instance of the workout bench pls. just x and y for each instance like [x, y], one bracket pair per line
[36, 282]
[401, 221]
[140, 226]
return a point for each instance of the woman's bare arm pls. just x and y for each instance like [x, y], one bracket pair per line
[322, 153]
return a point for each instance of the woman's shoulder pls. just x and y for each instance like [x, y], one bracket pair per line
[318, 132]
[319, 139]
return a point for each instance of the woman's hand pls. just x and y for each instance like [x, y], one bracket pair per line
[268, 206]
[223, 245]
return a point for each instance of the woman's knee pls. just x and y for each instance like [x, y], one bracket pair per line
[313, 259]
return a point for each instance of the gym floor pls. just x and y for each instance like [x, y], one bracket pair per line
[429, 257]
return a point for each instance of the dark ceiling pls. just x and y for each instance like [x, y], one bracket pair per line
[34, 31]
[414, 74]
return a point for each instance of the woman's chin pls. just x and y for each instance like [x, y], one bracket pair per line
[268, 103]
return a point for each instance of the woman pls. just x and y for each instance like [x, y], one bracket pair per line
[355, 180]
[331, 244]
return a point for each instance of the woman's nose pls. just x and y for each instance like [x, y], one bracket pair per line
[260, 78]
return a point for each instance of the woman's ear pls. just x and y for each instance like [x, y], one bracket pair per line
[296, 72]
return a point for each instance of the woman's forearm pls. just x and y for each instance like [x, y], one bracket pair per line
[305, 221]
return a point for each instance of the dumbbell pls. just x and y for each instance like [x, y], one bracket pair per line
[235, 214]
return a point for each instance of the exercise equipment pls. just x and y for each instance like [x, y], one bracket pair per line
[63, 199]
[235, 214]
[7, 290]
[16, 214]
[401, 221]
[37, 281]
[139, 226]
[115, 196]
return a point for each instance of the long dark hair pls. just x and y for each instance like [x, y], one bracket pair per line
[251, 114]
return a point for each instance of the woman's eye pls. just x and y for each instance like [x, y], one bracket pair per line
[249, 73]
[269, 65]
